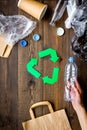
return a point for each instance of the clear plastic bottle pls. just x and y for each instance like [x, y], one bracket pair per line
[70, 73]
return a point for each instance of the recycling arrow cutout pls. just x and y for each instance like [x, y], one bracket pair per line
[54, 78]
[30, 68]
[50, 52]
[34, 62]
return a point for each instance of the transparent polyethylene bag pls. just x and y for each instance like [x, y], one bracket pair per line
[14, 28]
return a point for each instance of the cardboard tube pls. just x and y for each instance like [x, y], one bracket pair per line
[32, 7]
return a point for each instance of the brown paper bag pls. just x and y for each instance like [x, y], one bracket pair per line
[53, 121]
[5, 49]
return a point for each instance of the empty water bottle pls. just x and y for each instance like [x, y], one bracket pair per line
[70, 74]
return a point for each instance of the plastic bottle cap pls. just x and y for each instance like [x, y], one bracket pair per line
[36, 37]
[60, 31]
[23, 43]
[71, 59]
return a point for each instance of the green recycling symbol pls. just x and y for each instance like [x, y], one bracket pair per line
[34, 62]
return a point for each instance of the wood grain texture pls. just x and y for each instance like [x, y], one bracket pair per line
[9, 79]
[18, 89]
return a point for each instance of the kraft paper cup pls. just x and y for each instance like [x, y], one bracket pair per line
[33, 7]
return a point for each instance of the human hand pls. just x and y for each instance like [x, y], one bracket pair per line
[76, 95]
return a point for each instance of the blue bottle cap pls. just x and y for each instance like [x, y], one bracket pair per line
[23, 43]
[36, 37]
[71, 59]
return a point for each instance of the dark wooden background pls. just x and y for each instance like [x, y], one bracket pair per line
[18, 89]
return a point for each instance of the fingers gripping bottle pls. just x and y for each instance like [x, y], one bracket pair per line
[70, 74]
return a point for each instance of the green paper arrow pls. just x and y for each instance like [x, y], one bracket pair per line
[51, 52]
[30, 67]
[54, 78]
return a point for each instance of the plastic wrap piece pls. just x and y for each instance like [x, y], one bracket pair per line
[14, 28]
[58, 13]
[71, 10]
[79, 24]
[79, 47]
[80, 19]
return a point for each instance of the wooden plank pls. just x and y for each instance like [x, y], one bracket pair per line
[29, 88]
[8, 79]
[6, 128]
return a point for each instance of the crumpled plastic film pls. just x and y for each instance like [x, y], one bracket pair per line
[14, 28]
[79, 24]
[80, 19]
[58, 12]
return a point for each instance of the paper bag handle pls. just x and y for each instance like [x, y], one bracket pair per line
[40, 104]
